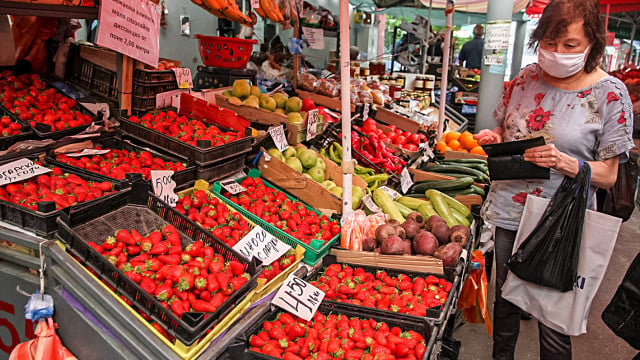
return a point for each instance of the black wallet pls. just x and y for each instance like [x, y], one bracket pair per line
[506, 160]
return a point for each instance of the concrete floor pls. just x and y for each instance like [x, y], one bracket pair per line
[598, 343]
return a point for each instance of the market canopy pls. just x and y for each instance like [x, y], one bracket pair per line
[606, 6]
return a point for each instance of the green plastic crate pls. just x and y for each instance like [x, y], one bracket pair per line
[312, 255]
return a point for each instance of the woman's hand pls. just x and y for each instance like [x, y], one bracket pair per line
[545, 156]
[487, 136]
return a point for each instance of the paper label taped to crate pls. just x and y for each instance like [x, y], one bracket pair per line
[261, 245]
[20, 170]
[365, 111]
[405, 180]
[163, 186]
[89, 152]
[370, 204]
[279, 138]
[298, 297]
[315, 37]
[392, 193]
[312, 124]
[232, 186]
[183, 78]
[98, 107]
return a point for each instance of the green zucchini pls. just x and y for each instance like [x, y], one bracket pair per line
[458, 169]
[426, 210]
[385, 203]
[460, 218]
[403, 209]
[410, 202]
[441, 206]
[456, 205]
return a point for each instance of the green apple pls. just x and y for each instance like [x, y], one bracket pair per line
[294, 163]
[294, 104]
[337, 191]
[241, 88]
[321, 164]
[317, 174]
[328, 184]
[289, 152]
[281, 100]
[276, 153]
[255, 91]
[308, 158]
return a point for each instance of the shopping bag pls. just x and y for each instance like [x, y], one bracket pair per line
[565, 312]
[548, 256]
[619, 200]
[473, 297]
[46, 345]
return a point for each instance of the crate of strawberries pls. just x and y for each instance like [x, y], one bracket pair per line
[170, 270]
[49, 113]
[12, 130]
[199, 140]
[283, 216]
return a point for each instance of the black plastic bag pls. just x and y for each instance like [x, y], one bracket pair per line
[549, 255]
[619, 200]
[622, 315]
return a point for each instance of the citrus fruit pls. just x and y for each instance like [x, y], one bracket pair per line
[478, 150]
[451, 136]
[454, 144]
[441, 146]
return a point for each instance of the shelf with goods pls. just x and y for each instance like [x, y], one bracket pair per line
[48, 10]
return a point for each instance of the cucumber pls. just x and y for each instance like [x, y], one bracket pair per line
[442, 185]
[478, 190]
[460, 218]
[480, 167]
[403, 209]
[441, 206]
[385, 203]
[458, 169]
[426, 210]
[410, 202]
[467, 191]
[465, 161]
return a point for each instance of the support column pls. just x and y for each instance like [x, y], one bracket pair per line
[492, 79]
[518, 45]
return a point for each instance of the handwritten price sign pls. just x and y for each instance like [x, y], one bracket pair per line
[163, 186]
[183, 78]
[405, 180]
[20, 170]
[89, 152]
[279, 138]
[260, 244]
[232, 186]
[312, 124]
[298, 297]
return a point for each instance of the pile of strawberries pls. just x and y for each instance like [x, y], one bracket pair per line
[290, 216]
[392, 293]
[185, 129]
[27, 96]
[8, 127]
[117, 163]
[62, 188]
[336, 336]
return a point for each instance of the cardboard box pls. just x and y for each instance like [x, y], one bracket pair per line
[321, 100]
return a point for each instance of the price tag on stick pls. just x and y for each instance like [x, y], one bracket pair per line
[163, 186]
[261, 245]
[365, 111]
[20, 170]
[405, 180]
[279, 138]
[312, 124]
[298, 297]
[232, 186]
[183, 78]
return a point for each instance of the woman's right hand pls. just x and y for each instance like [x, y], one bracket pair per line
[485, 137]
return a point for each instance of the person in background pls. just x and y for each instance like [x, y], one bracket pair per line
[471, 54]
[587, 116]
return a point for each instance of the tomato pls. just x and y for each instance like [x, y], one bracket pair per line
[400, 140]
[385, 139]
[398, 131]
[410, 147]
[392, 137]
[369, 129]
[406, 134]
[414, 139]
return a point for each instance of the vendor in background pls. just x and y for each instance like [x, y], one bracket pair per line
[471, 54]
[587, 115]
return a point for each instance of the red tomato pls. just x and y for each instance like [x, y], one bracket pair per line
[368, 129]
[406, 134]
[398, 131]
[414, 139]
[392, 127]
[385, 138]
[391, 136]
[400, 140]
[410, 147]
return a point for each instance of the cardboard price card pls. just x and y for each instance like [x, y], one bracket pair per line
[261, 245]
[89, 152]
[279, 138]
[20, 170]
[95, 108]
[298, 297]
[163, 186]
[405, 180]
[232, 186]
[183, 78]
[312, 124]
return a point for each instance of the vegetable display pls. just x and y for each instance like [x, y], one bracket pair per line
[477, 169]
[463, 142]
[372, 148]
[403, 139]
[369, 175]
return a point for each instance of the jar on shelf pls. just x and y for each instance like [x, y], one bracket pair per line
[395, 90]
[401, 80]
[418, 83]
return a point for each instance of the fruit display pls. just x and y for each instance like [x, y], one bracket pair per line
[62, 188]
[374, 150]
[398, 137]
[335, 336]
[290, 216]
[117, 163]
[8, 127]
[28, 97]
[224, 9]
[185, 129]
[476, 169]
[399, 293]
[373, 92]
[456, 141]
[369, 175]
[163, 65]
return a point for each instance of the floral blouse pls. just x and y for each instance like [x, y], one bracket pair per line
[588, 124]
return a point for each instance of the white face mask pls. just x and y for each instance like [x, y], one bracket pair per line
[561, 65]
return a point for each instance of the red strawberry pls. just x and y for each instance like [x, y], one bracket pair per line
[236, 268]
[164, 291]
[125, 237]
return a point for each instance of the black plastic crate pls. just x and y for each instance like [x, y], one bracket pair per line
[148, 89]
[182, 178]
[139, 209]
[435, 315]
[25, 132]
[144, 75]
[209, 77]
[201, 156]
[223, 169]
[240, 348]
[92, 77]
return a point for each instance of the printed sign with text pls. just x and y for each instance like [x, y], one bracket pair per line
[405, 180]
[315, 37]
[20, 170]
[298, 297]
[232, 186]
[183, 78]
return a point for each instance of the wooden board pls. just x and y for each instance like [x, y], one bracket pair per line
[450, 154]
[329, 102]
[418, 263]
[100, 56]
[390, 118]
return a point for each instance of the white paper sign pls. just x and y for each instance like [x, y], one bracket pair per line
[261, 245]
[255, 4]
[298, 297]
[370, 204]
[89, 152]
[163, 186]
[497, 35]
[394, 194]
[312, 124]
[20, 170]
[167, 98]
[315, 37]
[183, 78]
[405, 180]
[365, 111]
[232, 186]
[279, 138]
[99, 107]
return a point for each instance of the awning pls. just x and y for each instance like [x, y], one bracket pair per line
[614, 6]
[410, 6]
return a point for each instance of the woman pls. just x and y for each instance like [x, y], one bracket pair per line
[585, 115]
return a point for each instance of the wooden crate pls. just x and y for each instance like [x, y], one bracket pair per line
[321, 100]
[419, 263]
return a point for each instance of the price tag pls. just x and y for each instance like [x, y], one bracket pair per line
[298, 297]
[279, 138]
[20, 170]
[370, 204]
[232, 186]
[183, 78]
[261, 245]
[392, 193]
[365, 111]
[99, 107]
[312, 124]
[89, 152]
[315, 37]
[405, 180]
[163, 186]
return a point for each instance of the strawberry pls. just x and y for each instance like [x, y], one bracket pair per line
[148, 285]
[125, 237]
[159, 248]
[236, 268]
[164, 291]
[109, 243]
[173, 259]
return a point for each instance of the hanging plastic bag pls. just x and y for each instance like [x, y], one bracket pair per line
[46, 345]
[473, 297]
[619, 200]
[549, 255]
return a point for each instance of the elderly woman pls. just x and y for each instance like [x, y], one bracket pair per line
[584, 113]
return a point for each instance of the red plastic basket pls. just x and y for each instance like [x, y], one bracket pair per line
[225, 52]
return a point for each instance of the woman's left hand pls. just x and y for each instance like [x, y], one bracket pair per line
[547, 156]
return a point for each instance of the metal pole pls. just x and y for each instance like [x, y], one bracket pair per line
[346, 108]
[518, 46]
[445, 66]
[426, 48]
[633, 33]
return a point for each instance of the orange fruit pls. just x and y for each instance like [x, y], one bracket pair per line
[463, 150]
[478, 150]
[454, 144]
[451, 136]
[467, 141]
[441, 146]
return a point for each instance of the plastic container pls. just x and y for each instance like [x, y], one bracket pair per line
[225, 52]
[312, 255]
[201, 156]
[209, 77]
[222, 169]
[92, 77]
[147, 76]
[139, 209]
